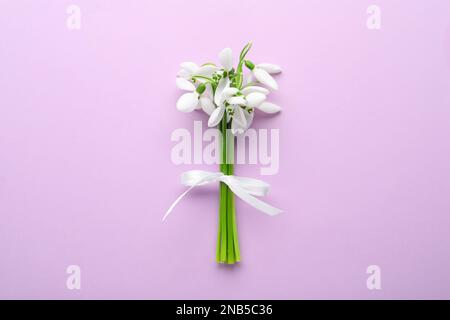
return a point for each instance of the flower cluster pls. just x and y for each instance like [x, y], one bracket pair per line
[225, 92]
[230, 98]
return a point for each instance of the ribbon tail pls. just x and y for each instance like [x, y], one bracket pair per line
[176, 201]
[254, 202]
[193, 178]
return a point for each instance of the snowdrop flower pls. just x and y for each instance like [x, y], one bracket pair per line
[206, 100]
[189, 70]
[269, 107]
[193, 99]
[241, 120]
[269, 67]
[262, 73]
[226, 59]
[184, 84]
[256, 99]
[250, 89]
[189, 101]
[221, 100]
[206, 70]
[239, 107]
[249, 79]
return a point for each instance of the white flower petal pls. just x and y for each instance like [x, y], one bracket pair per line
[237, 100]
[269, 67]
[184, 74]
[206, 70]
[208, 91]
[265, 78]
[248, 79]
[239, 117]
[190, 67]
[216, 117]
[228, 92]
[185, 84]
[237, 128]
[187, 102]
[251, 89]
[255, 99]
[207, 105]
[223, 83]
[269, 107]
[249, 118]
[226, 58]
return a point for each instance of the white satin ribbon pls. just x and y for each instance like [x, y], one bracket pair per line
[244, 188]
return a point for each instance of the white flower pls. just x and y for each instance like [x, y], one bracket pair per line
[197, 97]
[250, 89]
[239, 107]
[185, 84]
[239, 122]
[220, 99]
[269, 107]
[191, 69]
[187, 70]
[206, 70]
[232, 100]
[239, 116]
[265, 78]
[216, 116]
[188, 102]
[226, 59]
[258, 100]
[269, 67]
[223, 84]
[254, 99]
[262, 73]
[206, 101]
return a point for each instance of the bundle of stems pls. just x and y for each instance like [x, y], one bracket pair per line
[227, 240]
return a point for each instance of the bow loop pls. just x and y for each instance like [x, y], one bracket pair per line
[199, 177]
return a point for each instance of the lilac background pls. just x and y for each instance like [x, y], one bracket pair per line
[86, 175]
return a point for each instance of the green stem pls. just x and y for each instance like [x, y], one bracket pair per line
[223, 198]
[230, 227]
[231, 216]
[227, 241]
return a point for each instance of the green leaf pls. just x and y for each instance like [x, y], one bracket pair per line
[245, 50]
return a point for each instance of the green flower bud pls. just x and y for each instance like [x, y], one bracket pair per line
[201, 88]
[249, 64]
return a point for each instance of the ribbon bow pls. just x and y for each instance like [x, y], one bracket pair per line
[244, 188]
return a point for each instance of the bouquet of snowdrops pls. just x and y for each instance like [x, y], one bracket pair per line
[229, 97]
